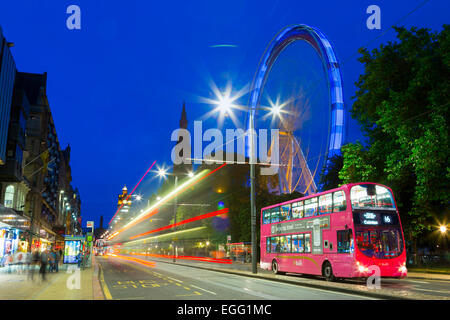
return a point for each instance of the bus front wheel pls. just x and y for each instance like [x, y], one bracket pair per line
[275, 267]
[328, 272]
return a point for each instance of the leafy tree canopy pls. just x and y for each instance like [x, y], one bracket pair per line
[402, 105]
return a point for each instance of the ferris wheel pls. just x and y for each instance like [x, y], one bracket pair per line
[300, 68]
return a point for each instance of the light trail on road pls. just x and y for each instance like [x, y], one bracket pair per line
[154, 208]
[200, 217]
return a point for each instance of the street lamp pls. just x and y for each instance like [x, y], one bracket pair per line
[443, 229]
[226, 103]
[163, 173]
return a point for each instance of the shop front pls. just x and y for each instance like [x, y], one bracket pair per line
[45, 240]
[13, 233]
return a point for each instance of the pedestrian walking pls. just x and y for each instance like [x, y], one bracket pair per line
[18, 261]
[52, 258]
[9, 261]
[27, 262]
[79, 259]
[35, 260]
[57, 259]
[44, 262]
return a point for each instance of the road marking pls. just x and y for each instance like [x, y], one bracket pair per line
[295, 285]
[445, 291]
[418, 281]
[174, 279]
[178, 283]
[196, 293]
[104, 286]
[203, 289]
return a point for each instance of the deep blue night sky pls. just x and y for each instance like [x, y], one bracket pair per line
[116, 86]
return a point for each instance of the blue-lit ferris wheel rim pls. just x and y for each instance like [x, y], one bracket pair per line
[323, 47]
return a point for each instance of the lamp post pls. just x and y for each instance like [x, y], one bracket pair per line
[225, 105]
[252, 194]
[162, 173]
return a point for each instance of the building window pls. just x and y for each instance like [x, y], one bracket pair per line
[9, 196]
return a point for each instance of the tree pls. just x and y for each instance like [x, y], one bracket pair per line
[329, 178]
[402, 105]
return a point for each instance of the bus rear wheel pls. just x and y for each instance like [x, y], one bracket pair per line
[327, 272]
[275, 267]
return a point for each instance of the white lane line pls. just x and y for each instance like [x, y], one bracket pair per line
[428, 290]
[418, 281]
[299, 286]
[203, 289]
[174, 279]
[323, 290]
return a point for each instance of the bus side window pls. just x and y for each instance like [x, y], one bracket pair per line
[294, 243]
[273, 244]
[301, 242]
[268, 244]
[275, 215]
[311, 207]
[343, 240]
[325, 203]
[339, 203]
[285, 212]
[307, 242]
[297, 210]
[266, 216]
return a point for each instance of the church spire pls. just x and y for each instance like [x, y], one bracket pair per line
[186, 166]
[183, 120]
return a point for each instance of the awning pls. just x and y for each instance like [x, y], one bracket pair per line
[12, 219]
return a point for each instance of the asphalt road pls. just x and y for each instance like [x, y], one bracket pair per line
[125, 279]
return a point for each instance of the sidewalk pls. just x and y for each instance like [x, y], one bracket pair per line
[70, 283]
[431, 273]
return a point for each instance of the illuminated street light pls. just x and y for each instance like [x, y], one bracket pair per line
[443, 229]
[225, 103]
[162, 172]
[190, 174]
[275, 110]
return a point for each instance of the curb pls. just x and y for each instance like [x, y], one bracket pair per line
[96, 286]
[310, 285]
[426, 278]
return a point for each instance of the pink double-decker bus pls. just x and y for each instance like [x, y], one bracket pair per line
[340, 233]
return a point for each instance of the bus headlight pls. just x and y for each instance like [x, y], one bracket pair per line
[403, 269]
[361, 268]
